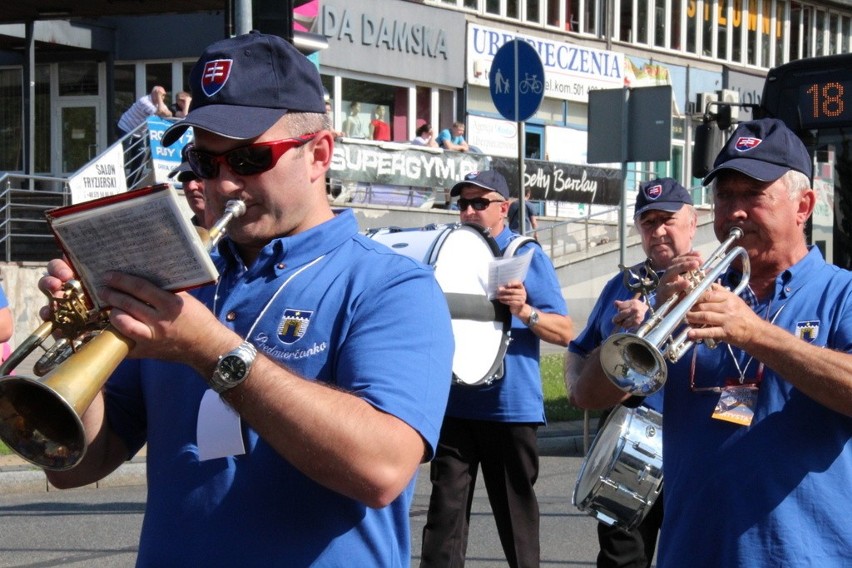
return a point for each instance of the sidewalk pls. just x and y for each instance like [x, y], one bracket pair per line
[19, 476]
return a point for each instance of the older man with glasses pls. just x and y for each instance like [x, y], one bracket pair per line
[494, 425]
[286, 408]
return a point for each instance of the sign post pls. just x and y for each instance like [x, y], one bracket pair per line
[516, 83]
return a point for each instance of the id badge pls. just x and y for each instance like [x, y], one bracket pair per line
[736, 404]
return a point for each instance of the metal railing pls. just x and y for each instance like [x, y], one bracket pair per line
[23, 201]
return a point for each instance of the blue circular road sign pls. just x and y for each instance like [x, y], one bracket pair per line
[516, 80]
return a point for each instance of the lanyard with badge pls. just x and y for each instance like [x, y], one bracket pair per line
[738, 396]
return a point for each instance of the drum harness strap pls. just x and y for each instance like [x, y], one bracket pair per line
[516, 243]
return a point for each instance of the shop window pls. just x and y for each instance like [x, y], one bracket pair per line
[43, 147]
[692, 16]
[533, 11]
[11, 136]
[78, 79]
[626, 21]
[158, 74]
[675, 27]
[363, 103]
[778, 39]
[832, 34]
[125, 88]
[821, 47]
[642, 21]
[492, 7]
[711, 10]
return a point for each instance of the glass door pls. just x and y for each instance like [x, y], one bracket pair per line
[79, 139]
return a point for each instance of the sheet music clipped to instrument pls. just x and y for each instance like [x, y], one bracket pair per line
[142, 232]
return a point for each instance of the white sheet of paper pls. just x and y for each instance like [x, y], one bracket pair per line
[503, 270]
[219, 433]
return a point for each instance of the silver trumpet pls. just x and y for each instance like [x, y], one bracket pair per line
[636, 362]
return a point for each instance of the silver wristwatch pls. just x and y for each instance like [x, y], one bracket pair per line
[233, 367]
[533, 319]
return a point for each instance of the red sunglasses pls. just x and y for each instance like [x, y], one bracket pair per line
[248, 160]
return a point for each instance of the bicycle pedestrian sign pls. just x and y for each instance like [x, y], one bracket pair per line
[516, 80]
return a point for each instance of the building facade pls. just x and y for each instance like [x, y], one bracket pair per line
[409, 62]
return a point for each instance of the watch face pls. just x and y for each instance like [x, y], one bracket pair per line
[232, 368]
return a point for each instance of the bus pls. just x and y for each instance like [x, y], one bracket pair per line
[814, 99]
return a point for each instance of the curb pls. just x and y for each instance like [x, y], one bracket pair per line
[19, 476]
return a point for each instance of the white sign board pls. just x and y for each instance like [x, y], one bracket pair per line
[100, 178]
[571, 70]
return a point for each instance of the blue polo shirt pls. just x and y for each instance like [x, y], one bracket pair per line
[600, 326]
[517, 397]
[333, 306]
[777, 492]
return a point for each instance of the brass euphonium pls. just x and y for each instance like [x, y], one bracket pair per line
[40, 418]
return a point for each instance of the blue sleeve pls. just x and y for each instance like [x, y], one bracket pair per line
[443, 136]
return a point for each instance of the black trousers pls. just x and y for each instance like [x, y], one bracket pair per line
[508, 455]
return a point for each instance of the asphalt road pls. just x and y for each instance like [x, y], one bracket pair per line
[99, 527]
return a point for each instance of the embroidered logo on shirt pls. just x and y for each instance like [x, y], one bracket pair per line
[215, 76]
[807, 330]
[294, 324]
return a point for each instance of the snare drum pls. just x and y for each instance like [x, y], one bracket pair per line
[623, 474]
[460, 255]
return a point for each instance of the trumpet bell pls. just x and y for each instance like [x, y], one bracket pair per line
[39, 424]
[633, 364]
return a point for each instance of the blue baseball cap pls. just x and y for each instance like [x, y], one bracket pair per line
[664, 194]
[487, 179]
[243, 85]
[764, 150]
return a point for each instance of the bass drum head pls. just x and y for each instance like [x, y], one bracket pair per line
[480, 325]
[460, 255]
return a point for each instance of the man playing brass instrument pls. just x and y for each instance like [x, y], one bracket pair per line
[757, 455]
[665, 219]
[333, 389]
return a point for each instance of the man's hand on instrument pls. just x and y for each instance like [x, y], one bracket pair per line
[630, 314]
[675, 280]
[50, 284]
[164, 325]
[721, 315]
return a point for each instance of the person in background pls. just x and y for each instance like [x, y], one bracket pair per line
[182, 102]
[152, 104]
[287, 407]
[379, 128]
[193, 191]
[329, 110]
[7, 326]
[493, 426]
[453, 138]
[515, 217]
[756, 449]
[665, 219]
[425, 136]
[353, 125]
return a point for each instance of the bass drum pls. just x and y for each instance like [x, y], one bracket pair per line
[623, 474]
[461, 255]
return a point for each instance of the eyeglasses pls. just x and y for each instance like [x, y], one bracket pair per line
[248, 160]
[478, 203]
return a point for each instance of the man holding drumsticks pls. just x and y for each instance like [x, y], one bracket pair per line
[665, 219]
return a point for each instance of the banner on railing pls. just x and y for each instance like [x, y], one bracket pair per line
[164, 159]
[405, 165]
[103, 177]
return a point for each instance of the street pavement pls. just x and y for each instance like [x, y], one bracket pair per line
[29, 510]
